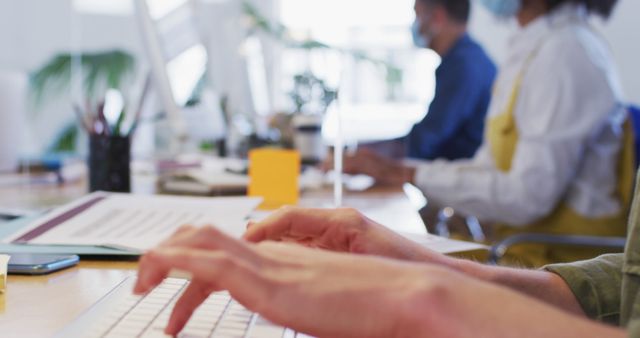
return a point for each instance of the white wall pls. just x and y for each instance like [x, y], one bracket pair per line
[622, 31]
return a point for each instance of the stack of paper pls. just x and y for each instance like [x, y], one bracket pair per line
[132, 222]
[205, 182]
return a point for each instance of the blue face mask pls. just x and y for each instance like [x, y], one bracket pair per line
[503, 8]
[419, 40]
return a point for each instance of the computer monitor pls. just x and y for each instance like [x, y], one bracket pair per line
[179, 62]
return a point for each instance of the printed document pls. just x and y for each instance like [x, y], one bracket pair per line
[134, 222]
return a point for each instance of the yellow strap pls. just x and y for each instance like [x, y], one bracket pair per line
[503, 137]
[627, 164]
[502, 132]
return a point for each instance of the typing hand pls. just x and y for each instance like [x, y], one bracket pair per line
[317, 292]
[342, 230]
[338, 295]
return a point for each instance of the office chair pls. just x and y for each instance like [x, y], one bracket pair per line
[500, 249]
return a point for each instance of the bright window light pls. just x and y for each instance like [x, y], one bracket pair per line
[160, 8]
[109, 7]
[378, 28]
[328, 20]
[185, 71]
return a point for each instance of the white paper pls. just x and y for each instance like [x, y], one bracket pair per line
[141, 222]
[212, 178]
[441, 244]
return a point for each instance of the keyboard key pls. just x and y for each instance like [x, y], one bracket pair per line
[264, 331]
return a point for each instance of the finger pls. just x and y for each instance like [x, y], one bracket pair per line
[249, 225]
[184, 229]
[182, 232]
[289, 223]
[327, 164]
[195, 294]
[240, 276]
[209, 238]
[355, 163]
[150, 274]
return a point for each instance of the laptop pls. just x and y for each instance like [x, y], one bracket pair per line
[120, 314]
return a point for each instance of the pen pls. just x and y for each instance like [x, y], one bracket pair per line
[118, 127]
[82, 118]
[143, 96]
[103, 120]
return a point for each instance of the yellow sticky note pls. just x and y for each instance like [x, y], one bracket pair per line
[274, 175]
[4, 262]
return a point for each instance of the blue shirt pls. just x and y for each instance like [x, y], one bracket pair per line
[454, 126]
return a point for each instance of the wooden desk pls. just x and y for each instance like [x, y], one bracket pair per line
[42, 306]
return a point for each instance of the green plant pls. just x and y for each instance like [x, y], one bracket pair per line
[101, 70]
[66, 141]
[309, 90]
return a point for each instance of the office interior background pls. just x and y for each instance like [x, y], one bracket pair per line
[249, 66]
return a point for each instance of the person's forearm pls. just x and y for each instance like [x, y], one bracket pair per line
[545, 286]
[448, 306]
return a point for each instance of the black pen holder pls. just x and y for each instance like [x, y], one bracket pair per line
[109, 163]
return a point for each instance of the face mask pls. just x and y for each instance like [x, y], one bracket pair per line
[419, 40]
[503, 8]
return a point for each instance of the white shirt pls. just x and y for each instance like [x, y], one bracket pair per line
[569, 119]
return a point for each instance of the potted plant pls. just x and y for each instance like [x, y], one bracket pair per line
[101, 71]
[105, 77]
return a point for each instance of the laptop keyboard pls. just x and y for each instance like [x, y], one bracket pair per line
[219, 316]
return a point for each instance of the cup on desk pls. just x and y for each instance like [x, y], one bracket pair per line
[307, 138]
[109, 163]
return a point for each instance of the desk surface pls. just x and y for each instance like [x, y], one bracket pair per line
[41, 306]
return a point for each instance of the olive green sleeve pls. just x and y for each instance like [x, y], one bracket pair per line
[597, 284]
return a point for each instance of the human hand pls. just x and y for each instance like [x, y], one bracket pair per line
[384, 170]
[337, 295]
[312, 291]
[342, 230]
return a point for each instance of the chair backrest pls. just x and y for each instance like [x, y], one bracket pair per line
[634, 114]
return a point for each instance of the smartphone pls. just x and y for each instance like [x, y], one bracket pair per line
[32, 264]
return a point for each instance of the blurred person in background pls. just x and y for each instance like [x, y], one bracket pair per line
[558, 154]
[454, 124]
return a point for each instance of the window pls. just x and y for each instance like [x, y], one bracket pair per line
[113, 7]
[159, 8]
[381, 30]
